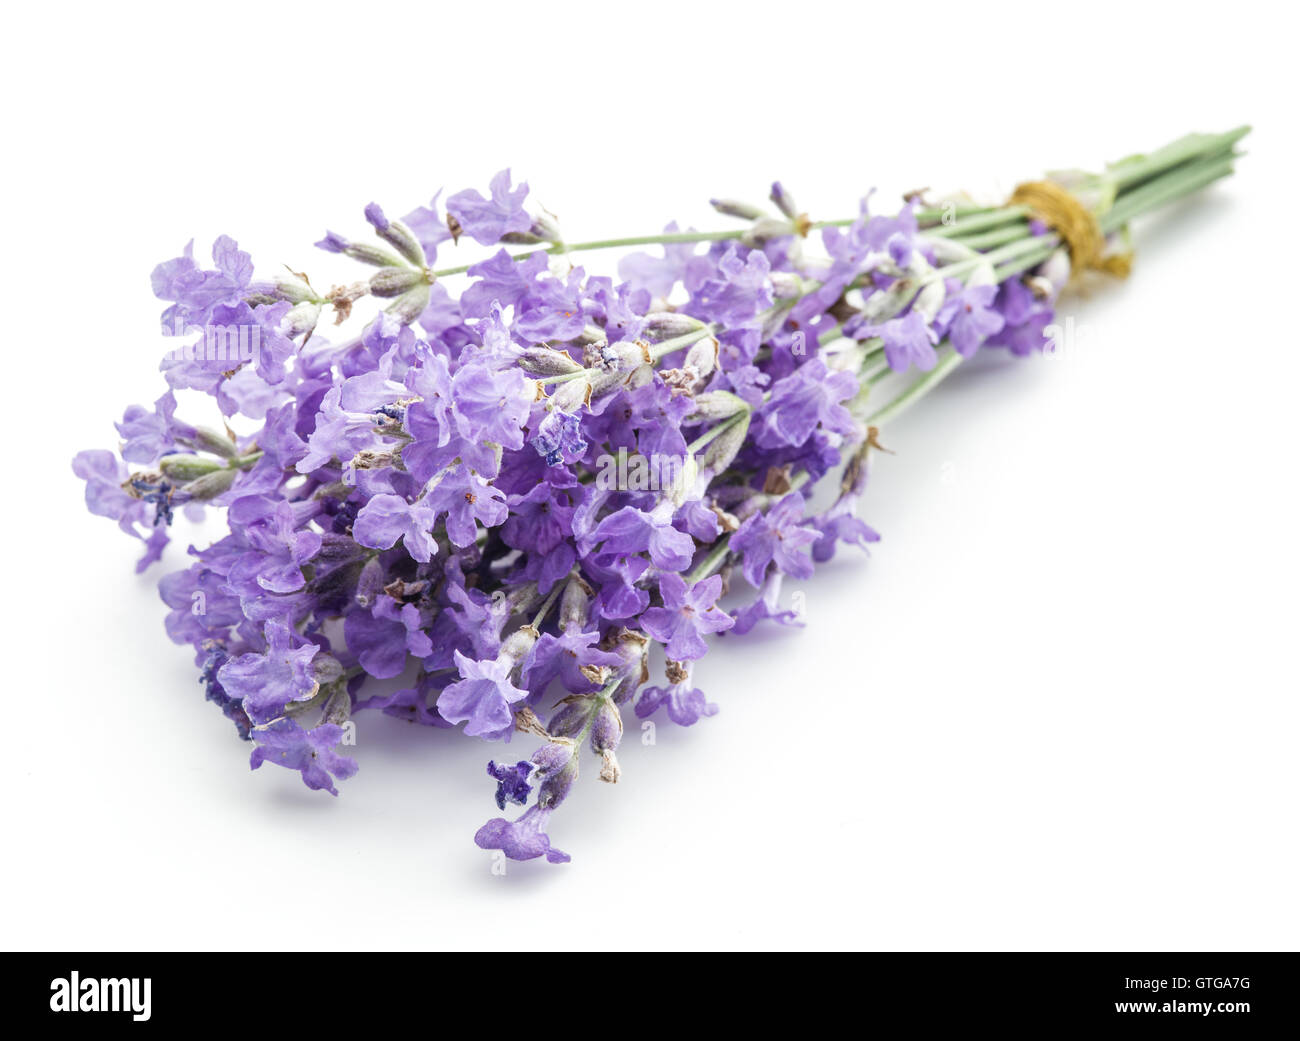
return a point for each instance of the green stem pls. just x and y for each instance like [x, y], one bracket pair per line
[918, 390]
[710, 563]
[714, 431]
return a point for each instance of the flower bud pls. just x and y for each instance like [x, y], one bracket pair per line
[372, 255]
[783, 201]
[719, 453]
[557, 769]
[370, 583]
[182, 468]
[606, 727]
[950, 251]
[575, 602]
[929, 300]
[411, 304]
[767, 228]
[302, 318]
[703, 357]
[325, 669]
[571, 395]
[717, 404]
[735, 208]
[786, 285]
[338, 706]
[683, 485]
[571, 715]
[543, 229]
[517, 645]
[394, 281]
[664, 325]
[396, 234]
[210, 485]
[547, 361]
[205, 439]
[886, 303]
[294, 289]
[633, 648]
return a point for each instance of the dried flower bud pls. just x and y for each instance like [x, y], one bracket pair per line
[547, 361]
[767, 228]
[606, 727]
[394, 281]
[295, 289]
[572, 395]
[396, 234]
[517, 645]
[703, 356]
[735, 208]
[302, 318]
[370, 583]
[929, 300]
[410, 305]
[556, 768]
[209, 486]
[665, 325]
[717, 404]
[183, 468]
[719, 453]
[786, 285]
[575, 602]
[366, 254]
[571, 715]
[783, 201]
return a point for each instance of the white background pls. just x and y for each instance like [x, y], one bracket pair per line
[1056, 707]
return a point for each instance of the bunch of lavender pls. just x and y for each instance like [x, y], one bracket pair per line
[508, 496]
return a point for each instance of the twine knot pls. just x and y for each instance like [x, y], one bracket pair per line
[1061, 211]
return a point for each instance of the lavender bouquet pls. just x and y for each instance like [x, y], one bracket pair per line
[486, 509]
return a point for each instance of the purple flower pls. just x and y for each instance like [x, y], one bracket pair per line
[736, 291]
[630, 530]
[686, 703]
[481, 699]
[512, 782]
[148, 435]
[265, 682]
[969, 318]
[382, 636]
[523, 839]
[809, 397]
[104, 475]
[387, 518]
[655, 275]
[279, 551]
[492, 406]
[339, 434]
[467, 499]
[908, 341]
[195, 292]
[310, 752]
[687, 614]
[559, 438]
[487, 220]
[776, 535]
[563, 657]
[429, 229]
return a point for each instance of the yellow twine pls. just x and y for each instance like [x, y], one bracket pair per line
[1068, 217]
